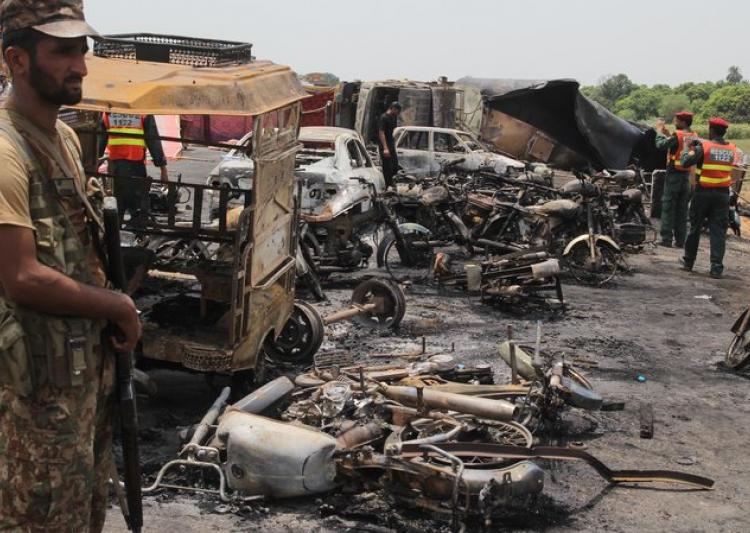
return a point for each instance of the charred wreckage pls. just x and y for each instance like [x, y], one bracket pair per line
[215, 266]
[432, 434]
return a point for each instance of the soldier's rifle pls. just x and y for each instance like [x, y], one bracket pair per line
[133, 508]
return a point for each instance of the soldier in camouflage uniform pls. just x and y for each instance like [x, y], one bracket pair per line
[55, 377]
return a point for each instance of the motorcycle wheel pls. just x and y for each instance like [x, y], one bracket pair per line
[389, 257]
[580, 266]
[738, 354]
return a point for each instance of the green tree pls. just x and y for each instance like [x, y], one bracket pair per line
[592, 91]
[734, 75]
[614, 88]
[731, 102]
[628, 114]
[671, 104]
[698, 93]
[642, 103]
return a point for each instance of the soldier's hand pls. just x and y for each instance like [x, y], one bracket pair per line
[129, 324]
[164, 175]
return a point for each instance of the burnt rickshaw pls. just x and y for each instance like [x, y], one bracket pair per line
[214, 311]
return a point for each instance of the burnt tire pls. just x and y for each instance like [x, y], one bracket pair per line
[301, 337]
[738, 353]
[391, 297]
[399, 267]
[579, 265]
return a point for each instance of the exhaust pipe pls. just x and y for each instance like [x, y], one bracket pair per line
[500, 410]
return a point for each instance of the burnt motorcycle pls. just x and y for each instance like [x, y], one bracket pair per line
[334, 243]
[513, 279]
[427, 212]
[592, 257]
[624, 192]
[577, 227]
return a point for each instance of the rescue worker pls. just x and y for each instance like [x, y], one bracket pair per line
[714, 160]
[55, 379]
[127, 157]
[386, 146]
[676, 194]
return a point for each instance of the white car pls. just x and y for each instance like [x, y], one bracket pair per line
[336, 172]
[236, 168]
[422, 151]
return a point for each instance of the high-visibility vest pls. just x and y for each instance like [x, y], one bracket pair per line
[718, 162]
[684, 138]
[130, 148]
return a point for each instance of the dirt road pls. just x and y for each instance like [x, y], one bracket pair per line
[669, 325]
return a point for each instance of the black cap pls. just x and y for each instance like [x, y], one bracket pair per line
[396, 104]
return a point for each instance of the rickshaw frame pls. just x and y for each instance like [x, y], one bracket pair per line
[256, 278]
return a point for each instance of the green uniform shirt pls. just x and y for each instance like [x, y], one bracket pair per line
[663, 142]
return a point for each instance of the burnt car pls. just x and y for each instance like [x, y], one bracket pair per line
[338, 185]
[423, 151]
[235, 170]
[339, 189]
[336, 173]
[338, 153]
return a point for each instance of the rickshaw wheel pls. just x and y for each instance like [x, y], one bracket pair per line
[391, 300]
[301, 337]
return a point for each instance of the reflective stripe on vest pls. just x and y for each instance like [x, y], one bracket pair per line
[129, 148]
[684, 138]
[718, 162]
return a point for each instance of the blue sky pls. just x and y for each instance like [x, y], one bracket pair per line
[654, 41]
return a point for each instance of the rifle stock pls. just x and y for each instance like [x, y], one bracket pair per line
[133, 512]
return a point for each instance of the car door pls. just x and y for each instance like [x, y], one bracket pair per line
[413, 149]
[359, 190]
[447, 148]
[369, 170]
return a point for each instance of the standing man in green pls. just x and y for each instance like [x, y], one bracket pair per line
[56, 379]
[714, 161]
[676, 195]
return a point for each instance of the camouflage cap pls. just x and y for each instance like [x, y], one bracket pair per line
[58, 18]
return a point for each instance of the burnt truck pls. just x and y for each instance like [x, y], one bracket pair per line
[211, 311]
[360, 104]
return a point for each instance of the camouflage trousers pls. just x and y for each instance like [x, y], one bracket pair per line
[56, 456]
